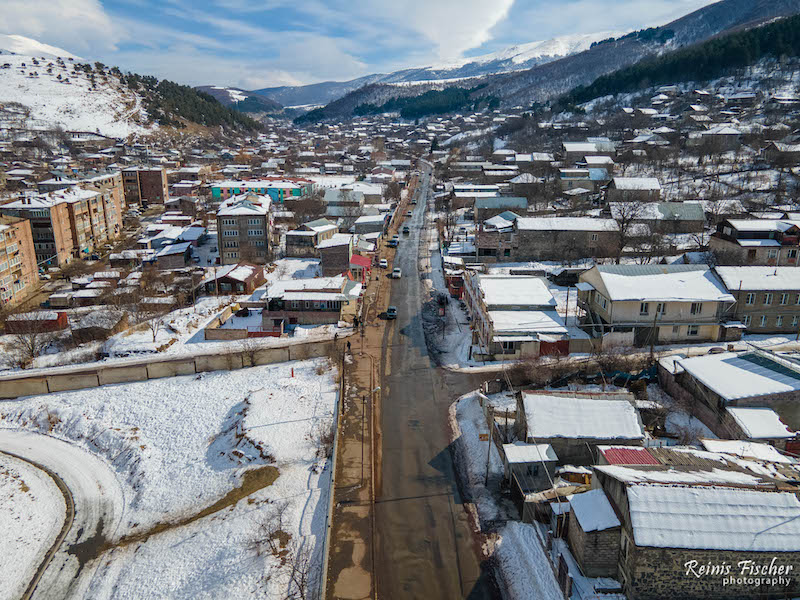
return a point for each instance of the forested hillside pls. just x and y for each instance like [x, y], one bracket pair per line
[700, 62]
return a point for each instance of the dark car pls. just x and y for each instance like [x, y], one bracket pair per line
[391, 312]
[406, 230]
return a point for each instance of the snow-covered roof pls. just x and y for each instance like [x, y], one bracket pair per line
[564, 417]
[735, 376]
[593, 511]
[514, 290]
[525, 325]
[636, 183]
[566, 224]
[760, 278]
[745, 449]
[714, 518]
[520, 452]
[760, 422]
[676, 283]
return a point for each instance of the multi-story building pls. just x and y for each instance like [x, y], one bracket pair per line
[69, 223]
[302, 242]
[649, 304]
[244, 229]
[145, 184]
[767, 298]
[756, 242]
[278, 189]
[18, 272]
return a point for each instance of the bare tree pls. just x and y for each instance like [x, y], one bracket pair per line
[627, 214]
[31, 335]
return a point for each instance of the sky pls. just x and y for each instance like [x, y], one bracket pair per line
[253, 44]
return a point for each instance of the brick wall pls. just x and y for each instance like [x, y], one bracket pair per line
[597, 552]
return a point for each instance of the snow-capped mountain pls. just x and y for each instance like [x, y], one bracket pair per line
[19, 44]
[240, 99]
[514, 58]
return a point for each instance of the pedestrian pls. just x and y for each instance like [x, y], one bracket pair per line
[335, 336]
[348, 345]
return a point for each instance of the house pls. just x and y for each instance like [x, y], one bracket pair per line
[335, 254]
[634, 189]
[654, 304]
[756, 242]
[241, 278]
[174, 256]
[532, 465]
[767, 298]
[454, 275]
[244, 229]
[661, 217]
[593, 534]
[513, 317]
[563, 238]
[370, 224]
[279, 189]
[487, 207]
[701, 532]
[315, 301]
[360, 267]
[715, 383]
[303, 241]
[98, 325]
[576, 424]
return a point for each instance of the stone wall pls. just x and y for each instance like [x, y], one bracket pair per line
[563, 245]
[597, 552]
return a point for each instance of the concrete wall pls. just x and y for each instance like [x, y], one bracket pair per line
[61, 379]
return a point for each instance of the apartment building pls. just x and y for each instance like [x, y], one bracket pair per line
[244, 229]
[767, 298]
[18, 272]
[68, 223]
[278, 189]
[145, 184]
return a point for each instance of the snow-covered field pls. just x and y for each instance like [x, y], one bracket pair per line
[184, 444]
[31, 514]
[110, 109]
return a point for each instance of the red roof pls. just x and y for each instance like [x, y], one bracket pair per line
[360, 261]
[628, 455]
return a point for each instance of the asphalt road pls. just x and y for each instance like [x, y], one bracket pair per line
[425, 545]
[98, 502]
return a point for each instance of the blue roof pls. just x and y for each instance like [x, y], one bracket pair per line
[501, 202]
[597, 174]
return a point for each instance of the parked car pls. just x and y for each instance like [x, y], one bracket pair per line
[393, 243]
[409, 214]
[396, 273]
[383, 264]
[406, 230]
[391, 312]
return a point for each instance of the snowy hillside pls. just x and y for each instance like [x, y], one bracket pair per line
[19, 44]
[57, 95]
[524, 53]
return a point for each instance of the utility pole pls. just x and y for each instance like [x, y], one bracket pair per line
[489, 450]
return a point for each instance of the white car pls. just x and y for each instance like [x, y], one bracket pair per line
[383, 264]
[396, 273]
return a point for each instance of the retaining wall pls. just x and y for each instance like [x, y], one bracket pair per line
[61, 379]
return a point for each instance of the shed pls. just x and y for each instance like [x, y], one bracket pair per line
[594, 533]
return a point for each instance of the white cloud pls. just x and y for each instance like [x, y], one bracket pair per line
[80, 26]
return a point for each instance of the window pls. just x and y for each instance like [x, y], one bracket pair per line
[254, 221]
[594, 237]
[772, 253]
[779, 321]
[746, 320]
[508, 346]
[661, 309]
[750, 299]
[229, 221]
[792, 253]
[601, 300]
[644, 308]
[255, 232]
[795, 320]
[230, 233]
[768, 298]
[763, 322]
[693, 330]
[784, 299]
[697, 308]
[676, 329]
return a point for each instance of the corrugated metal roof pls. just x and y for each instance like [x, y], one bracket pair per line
[627, 455]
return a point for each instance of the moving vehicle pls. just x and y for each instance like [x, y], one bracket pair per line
[406, 230]
[383, 264]
[391, 312]
[393, 243]
[409, 214]
[396, 273]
